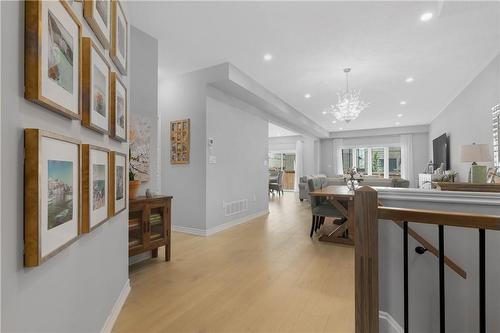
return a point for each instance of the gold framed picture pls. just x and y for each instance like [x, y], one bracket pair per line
[118, 108]
[51, 194]
[119, 37]
[117, 182]
[95, 88]
[95, 187]
[52, 57]
[180, 141]
[97, 13]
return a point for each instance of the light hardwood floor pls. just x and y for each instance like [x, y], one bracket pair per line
[263, 276]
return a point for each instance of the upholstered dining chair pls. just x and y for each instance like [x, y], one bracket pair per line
[321, 208]
[277, 185]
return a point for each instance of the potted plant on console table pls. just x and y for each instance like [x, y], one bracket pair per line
[133, 185]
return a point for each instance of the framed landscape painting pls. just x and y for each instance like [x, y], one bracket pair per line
[95, 88]
[118, 182]
[52, 56]
[51, 194]
[98, 15]
[119, 37]
[118, 107]
[95, 187]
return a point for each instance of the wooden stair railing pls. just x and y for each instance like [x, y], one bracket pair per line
[366, 254]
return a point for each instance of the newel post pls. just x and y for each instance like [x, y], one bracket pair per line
[366, 260]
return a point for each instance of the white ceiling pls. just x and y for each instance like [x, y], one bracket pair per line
[276, 131]
[311, 42]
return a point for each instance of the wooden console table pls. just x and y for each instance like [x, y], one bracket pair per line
[466, 187]
[149, 225]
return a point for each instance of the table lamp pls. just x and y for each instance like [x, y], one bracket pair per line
[476, 153]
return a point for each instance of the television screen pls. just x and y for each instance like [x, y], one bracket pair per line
[441, 152]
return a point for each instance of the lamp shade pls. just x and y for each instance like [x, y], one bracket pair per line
[475, 153]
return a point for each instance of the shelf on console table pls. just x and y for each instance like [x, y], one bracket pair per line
[466, 187]
[150, 225]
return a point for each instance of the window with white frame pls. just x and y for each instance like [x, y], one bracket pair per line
[373, 161]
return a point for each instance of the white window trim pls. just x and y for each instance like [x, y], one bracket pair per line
[369, 171]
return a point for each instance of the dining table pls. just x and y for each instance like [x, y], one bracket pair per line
[343, 199]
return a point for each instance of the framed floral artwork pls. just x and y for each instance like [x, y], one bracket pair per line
[51, 194]
[98, 15]
[52, 57]
[118, 108]
[119, 37]
[95, 187]
[95, 88]
[117, 182]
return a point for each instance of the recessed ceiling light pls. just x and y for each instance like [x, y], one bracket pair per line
[324, 112]
[268, 56]
[402, 102]
[426, 16]
[398, 123]
[341, 128]
[307, 95]
[400, 115]
[409, 79]
[334, 121]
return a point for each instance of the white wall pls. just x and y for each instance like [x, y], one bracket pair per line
[143, 94]
[241, 150]
[468, 117]
[75, 290]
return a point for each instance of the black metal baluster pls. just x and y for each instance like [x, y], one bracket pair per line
[405, 264]
[482, 281]
[441, 280]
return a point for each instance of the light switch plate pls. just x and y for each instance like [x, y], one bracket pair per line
[212, 159]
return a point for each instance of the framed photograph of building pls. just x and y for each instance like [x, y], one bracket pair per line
[52, 57]
[95, 88]
[95, 187]
[119, 37]
[118, 108]
[117, 182]
[51, 194]
[98, 15]
[179, 141]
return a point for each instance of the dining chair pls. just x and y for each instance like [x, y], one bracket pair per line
[277, 185]
[322, 208]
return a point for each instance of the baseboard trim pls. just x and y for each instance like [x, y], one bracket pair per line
[219, 228]
[115, 311]
[236, 222]
[391, 322]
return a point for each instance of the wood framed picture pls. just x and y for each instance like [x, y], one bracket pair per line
[95, 187]
[51, 194]
[119, 37]
[52, 57]
[118, 108]
[117, 182]
[179, 141]
[98, 15]
[95, 88]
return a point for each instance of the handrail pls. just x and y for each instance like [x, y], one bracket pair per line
[450, 263]
[463, 220]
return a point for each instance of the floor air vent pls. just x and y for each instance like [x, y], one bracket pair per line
[235, 207]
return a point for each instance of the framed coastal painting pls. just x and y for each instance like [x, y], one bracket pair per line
[51, 194]
[95, 186]
[117, 182]
[118, 108]
[119, 37]
[95, 88]
[98, 15]
[52, 56]
[179, 141]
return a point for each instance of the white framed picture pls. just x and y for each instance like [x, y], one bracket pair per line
[118, 108]
[98, 15]
[52, 57]
[95, 187]
[51, 194]
[95, 88]
[119, 37]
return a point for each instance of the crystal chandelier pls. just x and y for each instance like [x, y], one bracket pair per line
[349, 104]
